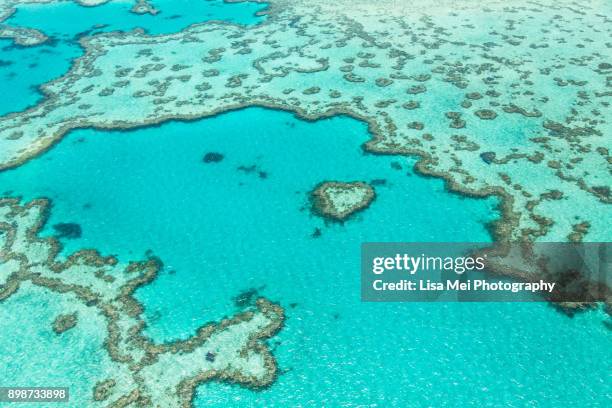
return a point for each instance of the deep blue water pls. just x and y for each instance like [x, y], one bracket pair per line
[221, 231]
[23, 69]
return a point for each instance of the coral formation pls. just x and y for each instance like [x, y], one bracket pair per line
[212, 157]
[143, 373]
[64, 322]
[402, 80]
[338, 200]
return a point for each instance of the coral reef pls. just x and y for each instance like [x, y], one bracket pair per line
[143, 373]
[24, 37]
[338, 201]
[212, 157]
[67, 230]
[467, 58]
[144, 7]
[64, 322]
[27, 37]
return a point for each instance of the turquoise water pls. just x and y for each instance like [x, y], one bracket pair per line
[221, 231]
[23, 69]
[34, 355]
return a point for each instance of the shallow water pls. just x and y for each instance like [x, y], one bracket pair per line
[23, 69]
[221, 230]
[35, 356]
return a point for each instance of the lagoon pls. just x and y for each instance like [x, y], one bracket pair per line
[24, 69]
[224, 233]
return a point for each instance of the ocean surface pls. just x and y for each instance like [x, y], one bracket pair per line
[33, 355]
[221, 231]
[23, 69]
[244, 224]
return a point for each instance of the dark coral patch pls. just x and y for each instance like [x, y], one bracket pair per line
[487, 157]
[247, 169]
[378, 182]
[246, 298]
[212, 157]
[69, 230]
[485, 114]
[411, 105]
[64, 323]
